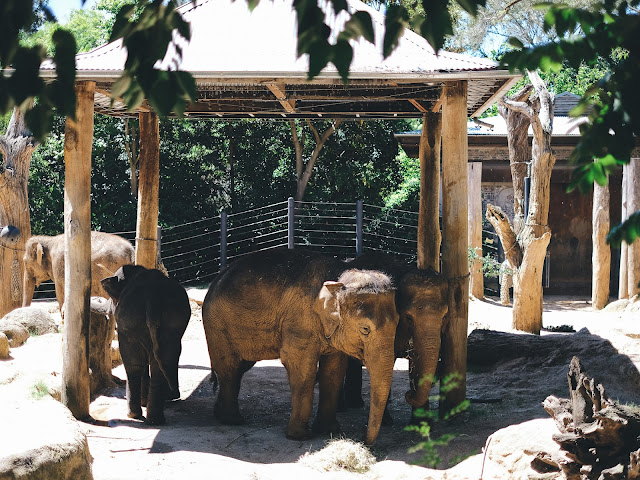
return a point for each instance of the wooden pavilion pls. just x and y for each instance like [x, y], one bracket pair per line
[245, 66]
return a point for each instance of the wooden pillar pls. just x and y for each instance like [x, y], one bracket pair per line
[623, 282]
[148, 191]
[633, 205]
[455, 265]
[474, 178]
[77, 253]
[601, 254]
[429, 236]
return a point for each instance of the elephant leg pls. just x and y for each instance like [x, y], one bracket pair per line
[301, 370]
[157, 394]
[353, 384]
[330, 374]
[171, 366]
[226, 408]
[134, 358]
[145, 386]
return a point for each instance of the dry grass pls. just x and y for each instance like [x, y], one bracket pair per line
[340, 454]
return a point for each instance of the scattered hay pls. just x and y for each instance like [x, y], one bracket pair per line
[340, 454]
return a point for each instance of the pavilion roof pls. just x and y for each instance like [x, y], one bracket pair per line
[245, 65]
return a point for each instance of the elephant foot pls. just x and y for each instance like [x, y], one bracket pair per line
[117, 381]
[228, 418]
[324, 427]
[136, 415]
[298, 433]
[387, 419]
[157, 419]
[173, 395]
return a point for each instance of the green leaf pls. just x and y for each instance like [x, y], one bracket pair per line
[627, 231]
[252, 4]
[516, 43]
[471, 6]
[120, 86]
[396, 21]
[342, 56]
[359, 25]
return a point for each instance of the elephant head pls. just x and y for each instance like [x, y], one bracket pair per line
[358, 316]
[422, 302]
[38, 266]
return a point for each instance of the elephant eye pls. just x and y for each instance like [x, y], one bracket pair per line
[364, 330]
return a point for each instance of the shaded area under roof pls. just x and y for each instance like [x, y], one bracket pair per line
[245, 65]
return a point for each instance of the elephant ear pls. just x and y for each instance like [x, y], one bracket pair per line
[328, 307]
[39, 253]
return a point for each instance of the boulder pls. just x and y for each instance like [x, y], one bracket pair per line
[34, 319]
[4, 346]
[51, 444]
[15, 333]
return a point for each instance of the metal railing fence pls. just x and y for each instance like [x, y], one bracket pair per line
[193, 253]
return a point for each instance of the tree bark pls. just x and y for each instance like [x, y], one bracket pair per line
[133, 154]
[429, 236]
[16, 148]
[78, 138]
[623, 279]
[474, 173]
[304, 171]
[455, 265]
[148, 191]
[601, 257]
[633, 205]
[526, 249]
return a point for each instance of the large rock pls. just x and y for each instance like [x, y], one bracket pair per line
[42, 441]
[4, 346]
[34, 319]
[15, 333]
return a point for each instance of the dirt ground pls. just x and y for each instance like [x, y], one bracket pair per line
[505, 389]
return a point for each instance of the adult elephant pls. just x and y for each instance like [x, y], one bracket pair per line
[152, 313]
[44, 260]
[422, 304]
[305, 309]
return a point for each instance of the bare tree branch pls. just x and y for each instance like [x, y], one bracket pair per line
[500, 222]
[297, 146]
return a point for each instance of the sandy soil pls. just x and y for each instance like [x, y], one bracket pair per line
[504, 391]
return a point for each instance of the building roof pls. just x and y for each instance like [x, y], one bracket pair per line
[245, 64]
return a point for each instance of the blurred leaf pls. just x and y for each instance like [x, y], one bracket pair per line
[359, 25]
[628, 231]
[396, 20]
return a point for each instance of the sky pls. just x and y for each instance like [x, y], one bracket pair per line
[62, 8]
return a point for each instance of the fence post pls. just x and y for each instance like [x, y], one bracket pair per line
[359, 221]
[290, 222]
[223, 239]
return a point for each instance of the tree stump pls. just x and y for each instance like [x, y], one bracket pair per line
[601, 438]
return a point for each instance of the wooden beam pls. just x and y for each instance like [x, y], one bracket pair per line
[418, 105]
[474, 179]
[77, 253]
[429, 236]
[633, 205]
[454, 240]
[148, 191]
[279, 90]
[144, 107]
[438, 105]
[623, 279]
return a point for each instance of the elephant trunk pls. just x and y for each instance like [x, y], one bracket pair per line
[28, 287]
[379, 363]
[423, 362]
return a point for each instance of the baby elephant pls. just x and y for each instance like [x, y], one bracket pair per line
[152, 313]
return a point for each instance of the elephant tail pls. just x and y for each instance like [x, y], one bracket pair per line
[153, 324]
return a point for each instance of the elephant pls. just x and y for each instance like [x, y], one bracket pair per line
[152, 312]
[308, 310]
[422, 303]
[44, 260]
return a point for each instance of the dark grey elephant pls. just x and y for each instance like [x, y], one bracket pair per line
[305, 309]
[422, 304]
[152, 313]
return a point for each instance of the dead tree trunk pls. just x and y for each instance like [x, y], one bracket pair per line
[303, 172]
[600, 437]
[601, 256]
[623, 281]
[16, 148]
[526, 248]
[633, 205]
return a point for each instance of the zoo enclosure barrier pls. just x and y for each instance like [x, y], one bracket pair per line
[193, 253]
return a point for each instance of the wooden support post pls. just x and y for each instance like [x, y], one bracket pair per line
[455, 265]
[429, 236]
[77, 253]
[601, 254]
[474, 178]
[148, 191]
[623, 282]
[633, 205]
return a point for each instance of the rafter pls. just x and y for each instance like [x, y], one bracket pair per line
[279, 90]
